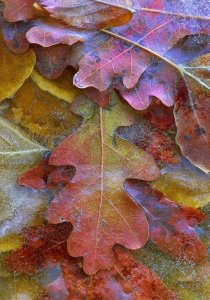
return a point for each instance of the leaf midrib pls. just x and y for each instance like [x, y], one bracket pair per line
[179, 68]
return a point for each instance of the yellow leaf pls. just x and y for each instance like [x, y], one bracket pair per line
[42, 114]
[11, 242]
[184, 187]
[19, 289]
[14, 70]
[61, 88]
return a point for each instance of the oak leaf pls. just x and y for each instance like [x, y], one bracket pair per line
[18, 206]
[42, 114]
[94, 199]
[172, 227]
[15, 36]
[191, 113]
[154, 141]
[14, 70]
[135, 57]
[184, 184]
[52, 61]
[94, 202]
[46, 245]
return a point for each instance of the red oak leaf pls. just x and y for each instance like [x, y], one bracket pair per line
[78, 15]
[134, 57]
[94, 201]
[171, 225]
[46, 245]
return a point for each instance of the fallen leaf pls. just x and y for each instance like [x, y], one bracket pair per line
[15, 36]
[45, 176]
[89, 14]
[15, 69]
[160, 116]
[43, 115]
[154, 141]
[171, 226]
[18, 206]
[188, 280]
[93, 202]
[19, 289]
[11, 242]
[46, 245]
[61, 88]
[135, 58]
[185, 185]
[99, 174]
[191, 114]
[52, 33]
[52, 61]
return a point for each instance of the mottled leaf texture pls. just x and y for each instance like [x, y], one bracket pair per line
[89, 14]
[192, 114]
[14, 70]
[17, 10]
[15, 36]
[135, 57]
[69, 23]
[45, 176]
[94, 202]
[51, 34]
[52, 61]
[128, 278]
[152, 140]
[17, 206]
[171, 225]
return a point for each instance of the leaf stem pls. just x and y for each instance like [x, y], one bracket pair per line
[179, 15]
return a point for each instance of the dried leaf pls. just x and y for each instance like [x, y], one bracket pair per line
[191, 114]
[43, 115]
[137, 54]
[128, 278]
[89, 14]
[61, 88]
[52, 33]
[19, 289]
[52, 61]
[45, 176]
[171, 225]
[154, 141]
[18, 205]
[15, 69]
[99, 175]
[94, 200]
[15, 36]
[188, 280]
[185, 185]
